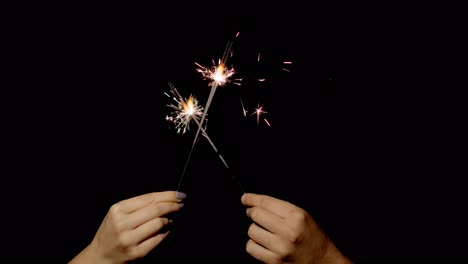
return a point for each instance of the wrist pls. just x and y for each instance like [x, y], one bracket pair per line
[91, 254]
[334, 256]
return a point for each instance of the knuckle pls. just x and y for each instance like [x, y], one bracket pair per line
[157, 209]
[135, 253]
[123, 241]
[115, 209]
[254, 213]
[116, 222]
[285, 251]
[298, 221]
[262, 200]
[160, 222]
[297, 214]
[295, 235]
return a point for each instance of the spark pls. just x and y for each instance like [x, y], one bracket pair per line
[266, 121]
[237, 34]
[286, 63]
[258, 111]
[258, 57]
[244, 111]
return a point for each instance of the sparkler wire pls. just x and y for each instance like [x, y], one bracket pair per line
[226, 53]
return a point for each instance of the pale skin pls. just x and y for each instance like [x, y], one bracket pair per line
[131, 229]
[282, 232]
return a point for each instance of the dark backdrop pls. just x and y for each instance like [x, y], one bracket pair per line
[356, 137]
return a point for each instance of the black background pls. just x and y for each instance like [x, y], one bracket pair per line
[360, 135]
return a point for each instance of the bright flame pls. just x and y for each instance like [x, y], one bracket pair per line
[218, 74]
[184, 111]
[189, 107]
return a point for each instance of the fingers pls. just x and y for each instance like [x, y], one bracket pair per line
[278, 227]
[274, 205]
[146, 246]
[261, 253]
[268, 240]
[154, 210]
[267, 220]
[147, 230]
[135, 203]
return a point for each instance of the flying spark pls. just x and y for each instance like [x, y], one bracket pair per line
[259, 111]
[244, 111]
[286, 63]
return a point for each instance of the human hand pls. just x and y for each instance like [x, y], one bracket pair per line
[282, 232]
[131, 228]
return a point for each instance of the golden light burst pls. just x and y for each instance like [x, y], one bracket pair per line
[218, 74]
[184, 111]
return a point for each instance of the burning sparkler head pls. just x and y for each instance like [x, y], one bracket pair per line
[217, 74]
[184, 111]
[190, 106]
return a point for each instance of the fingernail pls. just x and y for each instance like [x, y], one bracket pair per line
[180, 195]
[181, 205]
[247, 211]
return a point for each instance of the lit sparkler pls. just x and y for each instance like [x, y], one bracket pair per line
[218, 78]
[184, 111]
[218, 75]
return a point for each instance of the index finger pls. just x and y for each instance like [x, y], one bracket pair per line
[271, 204]
[135, 203]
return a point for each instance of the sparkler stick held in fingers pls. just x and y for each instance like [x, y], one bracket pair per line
[218, 75]
[184, 112]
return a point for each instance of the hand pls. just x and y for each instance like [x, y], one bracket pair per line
[284, 233]
[131, 228]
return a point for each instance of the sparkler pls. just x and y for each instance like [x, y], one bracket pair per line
[219, 76]
[184, 112]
